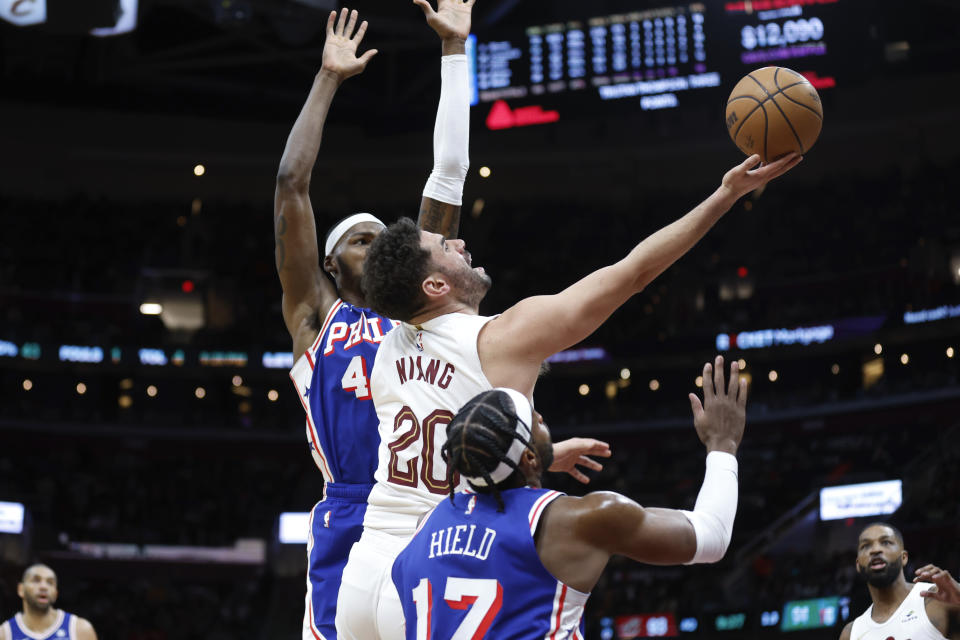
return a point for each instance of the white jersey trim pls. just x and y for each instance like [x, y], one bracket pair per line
[539, 507]
[568, 607]
[867, 624]
[41, 634]
[308, 619]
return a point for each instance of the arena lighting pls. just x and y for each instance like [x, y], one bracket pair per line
[835, 369]
[931, 315]
[742, 364]
[625, 373]
[151, 308]
[860, 500]
[878, 348]
[187, 286]
[484, 172]
[200, 392]
[294, 527]
[199, 170]
[773, 375]
[904, 358]
[584, 389]
[654, 384]
[27, 384]
[11, 517]
[236, 381]
[152, 391]
[949, 352]
[699, 382]
[81, 388]
[272, 395]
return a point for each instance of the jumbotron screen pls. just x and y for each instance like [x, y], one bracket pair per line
[663, 54]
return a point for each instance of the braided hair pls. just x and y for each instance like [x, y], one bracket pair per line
[478, 439]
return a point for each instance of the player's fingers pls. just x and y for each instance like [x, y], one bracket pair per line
[584, 461]
[925, 569]
[598, 448]
[695, 406]
[734, 385]
[342, 22]
[742, 398]
[358, 37]
[707, 382]
[425, 6]
[331, 19]
[750, 163]
[718, 375]
[351, 24]
[367, 57]
[578, 476]
[787, 166]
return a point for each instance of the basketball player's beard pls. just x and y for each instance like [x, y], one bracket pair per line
[471, 285]
[884, 578]
[39, 607]
[545, 451]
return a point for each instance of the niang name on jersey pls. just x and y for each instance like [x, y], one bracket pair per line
[411, 368]
[363, 330]
[456, 541]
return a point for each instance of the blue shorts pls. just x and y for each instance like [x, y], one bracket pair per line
[336, 522]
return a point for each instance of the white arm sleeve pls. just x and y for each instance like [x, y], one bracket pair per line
[712, 517]
[451, 135]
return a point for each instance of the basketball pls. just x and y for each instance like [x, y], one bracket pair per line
[774, 111]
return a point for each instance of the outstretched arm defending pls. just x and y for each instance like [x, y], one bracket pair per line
[443, 193]
[307, 293]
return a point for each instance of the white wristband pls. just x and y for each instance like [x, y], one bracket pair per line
[712, 517]
[451, 134]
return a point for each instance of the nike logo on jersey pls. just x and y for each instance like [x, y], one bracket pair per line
[363, 330]
[413, 369]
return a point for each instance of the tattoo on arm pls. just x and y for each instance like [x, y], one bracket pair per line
[439, 217]
[281, 250]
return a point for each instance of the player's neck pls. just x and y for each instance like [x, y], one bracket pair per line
[355, 298]
[38, 620]
[441, 309]
[889, 598]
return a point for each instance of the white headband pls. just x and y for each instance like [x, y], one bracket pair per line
[345, 225]
[524, 411]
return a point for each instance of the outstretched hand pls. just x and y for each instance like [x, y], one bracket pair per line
[945, 589]
[340, 49]
[721, 418]
[451, 19]
[741, 180]
[567, 454]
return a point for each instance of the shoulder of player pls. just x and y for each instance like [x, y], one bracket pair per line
[5, 630]
[945, 617]
[847, 630]
[605, 509]
[85, 629]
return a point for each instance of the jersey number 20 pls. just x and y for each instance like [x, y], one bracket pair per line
[425, 437]
[481, 597]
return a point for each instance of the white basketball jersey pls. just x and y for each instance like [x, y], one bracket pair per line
[422, 376]
[908, 622]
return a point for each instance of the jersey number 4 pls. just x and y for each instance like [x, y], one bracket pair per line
[355, 378]
[481, 598]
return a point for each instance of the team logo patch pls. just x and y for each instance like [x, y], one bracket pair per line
[326, 519]
[61, 633]
[471, 505]
[419, 341]
[909, 617]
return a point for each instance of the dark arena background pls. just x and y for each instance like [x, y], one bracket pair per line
[147, 455]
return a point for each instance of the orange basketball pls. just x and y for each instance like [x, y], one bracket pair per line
[774, 111]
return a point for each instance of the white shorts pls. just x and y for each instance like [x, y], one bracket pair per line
[368, 606]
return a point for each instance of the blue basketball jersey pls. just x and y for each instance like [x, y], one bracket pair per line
[333, 380]
[471, 572]
[63, 628]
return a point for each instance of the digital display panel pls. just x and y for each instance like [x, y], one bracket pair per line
[646, 625]
[814, 614]
[859, 500]
[662, 55]
[294, 527]
[11, 517]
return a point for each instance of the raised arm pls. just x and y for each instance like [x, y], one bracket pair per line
[307, 292]
[512, 346]
[580, 534]
[85, 630]
[443, 193]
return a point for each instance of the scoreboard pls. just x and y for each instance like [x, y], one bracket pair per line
[659, 55]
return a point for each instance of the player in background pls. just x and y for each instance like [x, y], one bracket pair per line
[40, 620]
[335, 337]
[926, 610]
[444, 353]
[512, 559]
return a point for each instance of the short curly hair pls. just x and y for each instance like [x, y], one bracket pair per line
[394, 270]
